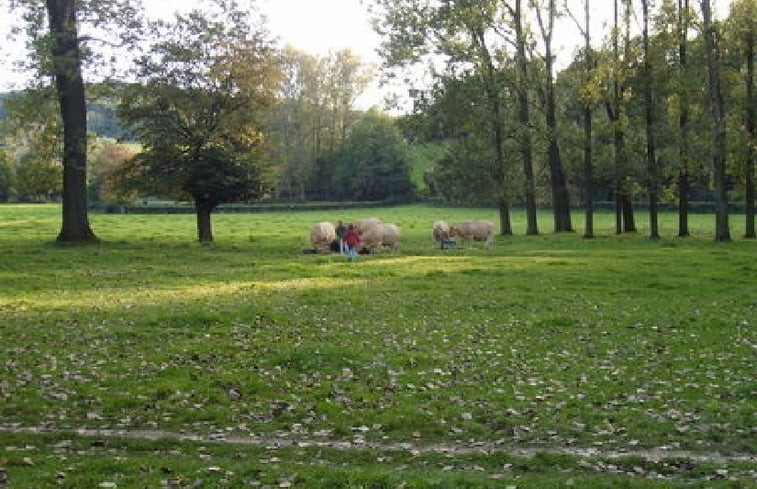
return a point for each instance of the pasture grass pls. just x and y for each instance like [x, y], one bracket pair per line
[610, 346]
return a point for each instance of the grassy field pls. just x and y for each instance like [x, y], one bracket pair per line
[549, 361]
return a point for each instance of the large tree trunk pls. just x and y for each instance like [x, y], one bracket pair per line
[684, 186]
[204, 208]
[624, 216]
[749, 190]
[504, 218]
[66, 59]
[684, 189]
[722, 230]
[629, 221]
[560, 197]
[652, 170]
[524, 114]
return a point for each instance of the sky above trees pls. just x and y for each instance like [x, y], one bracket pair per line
[317, 28]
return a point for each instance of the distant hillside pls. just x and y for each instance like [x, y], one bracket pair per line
[103, 121]
[101, 118]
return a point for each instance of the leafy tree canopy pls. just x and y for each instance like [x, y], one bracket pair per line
[203, 89]
[106, 30]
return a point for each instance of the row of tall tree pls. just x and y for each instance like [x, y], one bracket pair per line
[667, 109]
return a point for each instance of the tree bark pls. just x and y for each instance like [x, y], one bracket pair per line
[722, 230]
[629, 222]
[66, 60]
[204, 208]
[504, 218]
[684, 184]
[684, 189]
[652, 170]
[524, 114]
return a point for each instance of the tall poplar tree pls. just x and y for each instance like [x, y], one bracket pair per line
[463, 34]
[649, 116]
[524, 114]
[588, 128]
[546, 15]
[744, 24]
[587, 100]
[684, 156]
[617, 112]
[717, 114]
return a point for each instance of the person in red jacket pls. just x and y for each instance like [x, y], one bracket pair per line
[351, 242]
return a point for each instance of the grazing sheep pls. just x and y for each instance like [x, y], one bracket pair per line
[322, 235]
[366, 223]
[381, 235]
[391, 236]
[439, 231]
[474, 231]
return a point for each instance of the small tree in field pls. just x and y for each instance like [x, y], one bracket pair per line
[197, 109]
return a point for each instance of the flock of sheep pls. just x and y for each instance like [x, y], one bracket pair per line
[375, 235]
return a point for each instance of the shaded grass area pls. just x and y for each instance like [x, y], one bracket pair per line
[550, 341]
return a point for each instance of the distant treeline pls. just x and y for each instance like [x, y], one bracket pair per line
[250, 208]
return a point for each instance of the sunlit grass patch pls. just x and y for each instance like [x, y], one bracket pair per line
[143, 296]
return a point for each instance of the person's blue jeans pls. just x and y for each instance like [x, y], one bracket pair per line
[351, 252]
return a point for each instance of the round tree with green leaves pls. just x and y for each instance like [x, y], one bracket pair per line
[198, 107]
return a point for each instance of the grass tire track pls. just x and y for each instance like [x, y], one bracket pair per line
[650, 455]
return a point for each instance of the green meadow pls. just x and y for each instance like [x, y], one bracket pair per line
[149, 361]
